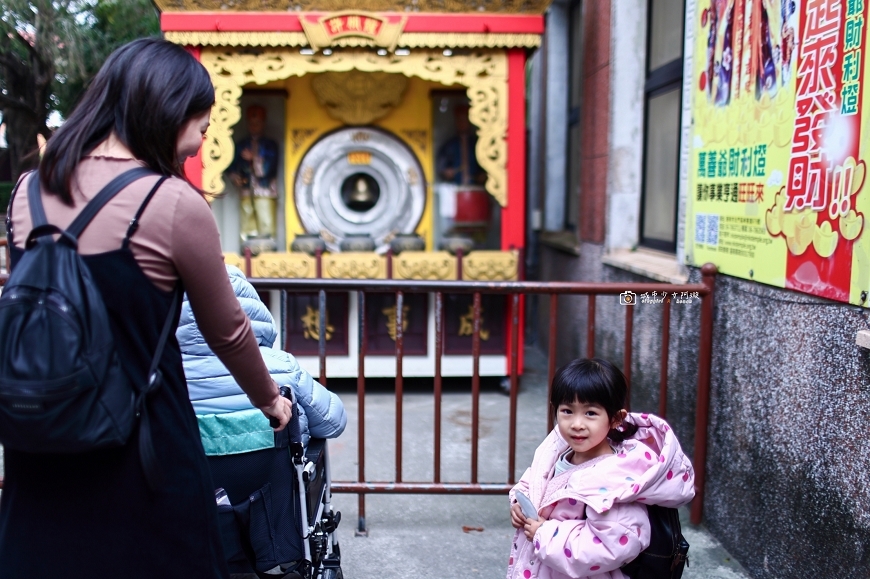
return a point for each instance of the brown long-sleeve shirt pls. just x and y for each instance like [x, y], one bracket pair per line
[177, 238]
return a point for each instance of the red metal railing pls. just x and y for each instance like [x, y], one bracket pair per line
[513, 290]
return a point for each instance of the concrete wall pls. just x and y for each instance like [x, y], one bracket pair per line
[789, 459]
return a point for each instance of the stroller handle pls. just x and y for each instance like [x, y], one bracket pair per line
[293, 428]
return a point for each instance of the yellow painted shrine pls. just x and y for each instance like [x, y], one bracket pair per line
[392, 120]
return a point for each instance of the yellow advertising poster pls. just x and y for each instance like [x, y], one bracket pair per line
[779, 144]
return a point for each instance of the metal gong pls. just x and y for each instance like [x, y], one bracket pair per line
[360, 180]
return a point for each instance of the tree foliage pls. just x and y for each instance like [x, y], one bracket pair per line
[49, 52]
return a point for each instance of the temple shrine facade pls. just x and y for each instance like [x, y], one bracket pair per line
[369, 140]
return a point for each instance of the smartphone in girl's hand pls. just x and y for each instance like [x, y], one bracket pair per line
[526, 505]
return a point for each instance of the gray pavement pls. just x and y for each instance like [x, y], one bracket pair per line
[442, 536]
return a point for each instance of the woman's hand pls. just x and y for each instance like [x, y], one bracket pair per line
[518, 519]
[531, 527]
[281, 410]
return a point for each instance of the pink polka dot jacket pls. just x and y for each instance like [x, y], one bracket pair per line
[595, 519]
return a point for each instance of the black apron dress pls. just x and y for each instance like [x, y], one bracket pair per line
[93, 515]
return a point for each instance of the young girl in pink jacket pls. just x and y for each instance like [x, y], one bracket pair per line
[590, 479]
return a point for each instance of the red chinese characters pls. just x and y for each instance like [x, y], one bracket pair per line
[352, 24]
[817, 98]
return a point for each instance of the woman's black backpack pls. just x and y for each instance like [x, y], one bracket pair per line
[62, 387]
[668, 551]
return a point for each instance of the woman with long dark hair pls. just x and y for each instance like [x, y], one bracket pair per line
[94, 514]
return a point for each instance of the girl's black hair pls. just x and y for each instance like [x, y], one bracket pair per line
[145, 92]
[593, 381]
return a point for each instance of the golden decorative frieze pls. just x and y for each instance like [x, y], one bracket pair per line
[483, 73]
[441, 6]
[235, 38]
[438, 265]
[406, 40]
[428, 265]
[354, 265]
[490, 266]
[283, 265]
[359, 98]
[469, 40]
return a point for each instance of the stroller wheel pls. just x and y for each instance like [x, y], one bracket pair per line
[332, 574]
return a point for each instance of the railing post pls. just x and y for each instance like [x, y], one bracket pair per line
[248, 262]
[702, 412]
[439, 349]
[663, 372]
[551, 355]
[626, 358]
[475, 387]
[321, 338]
[400, 352]
[459, 264]
[389, 263]
[514, 337]
[318, 263]
[590, 327]
[361, 530]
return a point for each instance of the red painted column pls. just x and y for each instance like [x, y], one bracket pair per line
[193, 169]
[513, 215]
[193, 165]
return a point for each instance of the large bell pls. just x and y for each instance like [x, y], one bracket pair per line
[362, 197]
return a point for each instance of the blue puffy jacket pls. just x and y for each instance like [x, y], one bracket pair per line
[213, 390]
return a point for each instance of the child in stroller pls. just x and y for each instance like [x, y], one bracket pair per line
[272, 488]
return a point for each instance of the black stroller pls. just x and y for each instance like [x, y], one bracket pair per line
[276, 518]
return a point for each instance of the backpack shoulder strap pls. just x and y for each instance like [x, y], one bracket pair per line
[134, 223]
[148, 459]
[104, 196]
[167, 329]
[34, 199]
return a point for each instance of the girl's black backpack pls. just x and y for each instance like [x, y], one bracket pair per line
[668, 551]
[62, 387]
